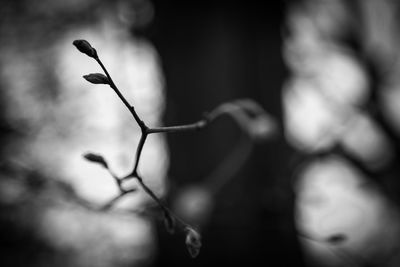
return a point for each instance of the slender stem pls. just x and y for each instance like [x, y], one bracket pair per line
[201, 124]
[159, 202]
[145, 131]
[151, 193]
[138, 154]
[141, 123]
[227, 108]
[116, 198]
[179, 128]
[209, 117]
[121, 96]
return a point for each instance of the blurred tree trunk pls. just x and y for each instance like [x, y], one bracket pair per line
[212, 53]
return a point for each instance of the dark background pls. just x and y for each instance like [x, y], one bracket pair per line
[213, 52]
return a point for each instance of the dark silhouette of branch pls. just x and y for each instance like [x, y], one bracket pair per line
[251, 118]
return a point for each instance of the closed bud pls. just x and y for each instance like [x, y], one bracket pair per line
[96, 78]
[193, 242]
[85, 47]
[96, 158]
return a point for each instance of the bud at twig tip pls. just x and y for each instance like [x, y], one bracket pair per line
[84, 47]
[193, 242]
[96, 78]
[96, 158]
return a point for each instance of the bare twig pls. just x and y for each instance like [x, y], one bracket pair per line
[120, 95]
[180, 128]
[248, 115]
[138, 154]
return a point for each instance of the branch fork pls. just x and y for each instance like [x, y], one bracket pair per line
[246, 113]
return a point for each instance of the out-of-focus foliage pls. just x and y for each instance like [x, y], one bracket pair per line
[51, 116]
[343, 59]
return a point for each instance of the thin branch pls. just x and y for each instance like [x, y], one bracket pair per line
[138, 153]
[97, 78]
[180, 128]
[159, 202]
[237, 159]
[114, 200]
[131, 109]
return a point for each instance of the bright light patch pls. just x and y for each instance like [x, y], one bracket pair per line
[367, 142]
[309, 124]
[101, 122]
[343, 220]
[61, 116]
[334, 199]
[97, 239]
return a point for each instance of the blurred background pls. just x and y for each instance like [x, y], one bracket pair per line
[321, 189]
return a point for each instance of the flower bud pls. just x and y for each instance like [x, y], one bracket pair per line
[96, 158]
[96, 78]
[193, 242]
[85, 47]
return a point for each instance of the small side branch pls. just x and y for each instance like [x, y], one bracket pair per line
[120, 95]
[180, 128]
[138, 153]
[251, 118]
